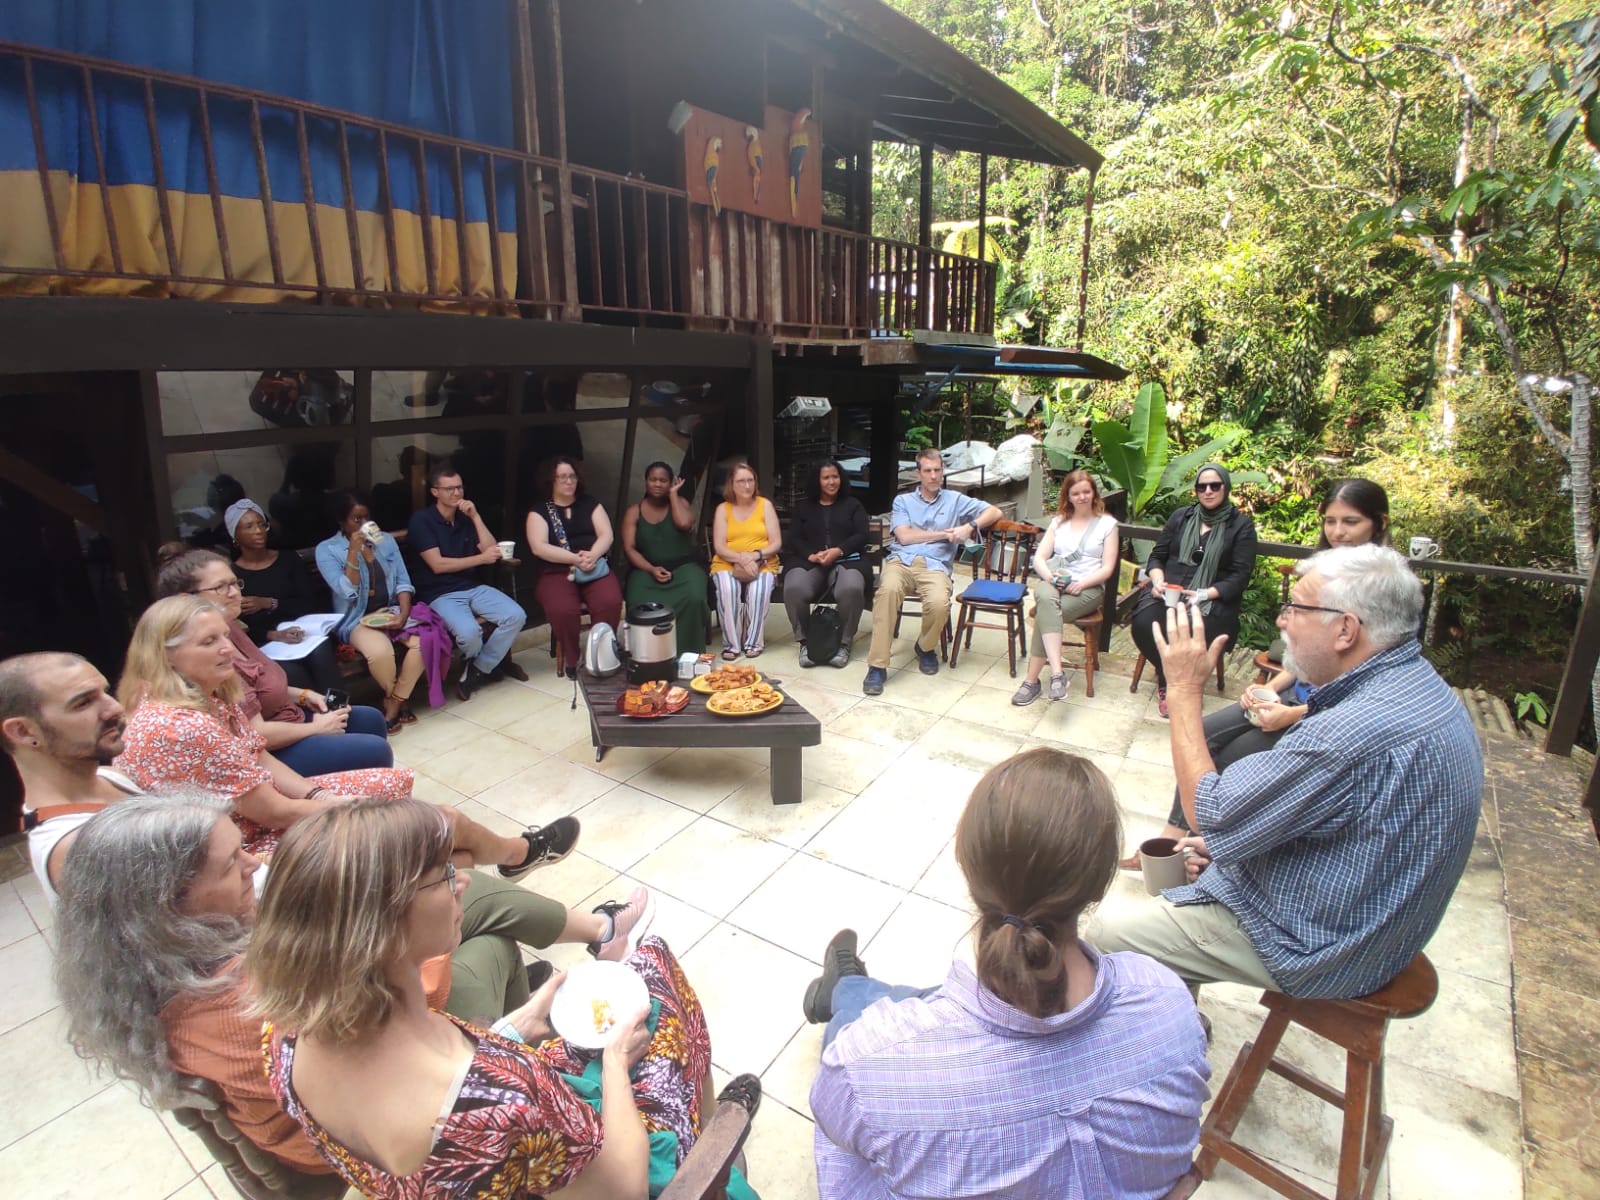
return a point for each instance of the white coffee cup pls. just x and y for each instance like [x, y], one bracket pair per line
[370, 531]
[507, 549]
[1172, 593]
[1261, 695]
[1424, 547]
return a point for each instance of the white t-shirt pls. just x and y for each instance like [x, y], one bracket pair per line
[46, 835]
[1078, 558]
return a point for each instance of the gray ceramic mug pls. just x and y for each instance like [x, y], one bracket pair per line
[1163, 864]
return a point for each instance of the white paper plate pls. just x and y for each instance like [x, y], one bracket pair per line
[614, 983]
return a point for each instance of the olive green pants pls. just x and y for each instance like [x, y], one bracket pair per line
[487, 979]
[1057, 610]
[1202, 943]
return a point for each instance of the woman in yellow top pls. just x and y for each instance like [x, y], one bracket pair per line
[746, 539]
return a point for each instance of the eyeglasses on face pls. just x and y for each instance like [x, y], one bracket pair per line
[448, 877]
[220, 589]
[1289, 606]
[1209, 487]
[566, 477]
[454, 487]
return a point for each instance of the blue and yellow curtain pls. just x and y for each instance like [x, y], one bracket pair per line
[431, 65]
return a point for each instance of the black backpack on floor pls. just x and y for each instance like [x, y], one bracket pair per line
[824, 633]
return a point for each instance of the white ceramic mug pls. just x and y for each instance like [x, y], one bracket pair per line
[507, 549]
[1424, 547]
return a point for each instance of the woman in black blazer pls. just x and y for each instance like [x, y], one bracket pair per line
[1207, 550]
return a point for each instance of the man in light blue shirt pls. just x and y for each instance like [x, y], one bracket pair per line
[1326, 863]
[930, 525]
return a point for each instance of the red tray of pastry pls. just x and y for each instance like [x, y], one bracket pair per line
[650, 701]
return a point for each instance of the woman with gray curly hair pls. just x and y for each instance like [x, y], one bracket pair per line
[157, 900]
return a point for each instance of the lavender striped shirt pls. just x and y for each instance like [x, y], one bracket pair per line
[961, 1095]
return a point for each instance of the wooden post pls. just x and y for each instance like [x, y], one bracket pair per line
[1578, 677]
[760, 407]
[925, 239]
[1083, 270]
[571, 310]
[983, 204]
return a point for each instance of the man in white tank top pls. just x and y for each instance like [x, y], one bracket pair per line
[60, 723]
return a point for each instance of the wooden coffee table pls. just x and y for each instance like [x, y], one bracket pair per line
[785, 731]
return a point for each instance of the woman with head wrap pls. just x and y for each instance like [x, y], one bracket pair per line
[1205, 554]
[276, 587]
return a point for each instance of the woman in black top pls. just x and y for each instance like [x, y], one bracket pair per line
[823, 548]
[571, 535]
[276, 587]
[1207, 550]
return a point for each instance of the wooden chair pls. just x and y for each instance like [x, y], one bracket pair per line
[1138, 673]
[1358, 1026]
[999, 587]
[1089, 627]
[254, 1173]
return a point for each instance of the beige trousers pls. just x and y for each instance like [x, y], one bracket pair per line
[896, 582]
[1202, 943]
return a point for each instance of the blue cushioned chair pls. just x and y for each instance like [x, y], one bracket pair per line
[999, 587]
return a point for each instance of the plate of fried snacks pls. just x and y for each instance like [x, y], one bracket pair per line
[725, 679]
[653, 699]
[745, 702]
[593, 998]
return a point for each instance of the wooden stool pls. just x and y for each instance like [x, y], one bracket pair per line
[1358, 1026]
[1138, 673]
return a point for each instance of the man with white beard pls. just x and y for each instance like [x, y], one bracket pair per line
[1322, 866]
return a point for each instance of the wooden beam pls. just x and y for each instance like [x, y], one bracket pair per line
[983, 204]
[1578, 677]
[49, 490]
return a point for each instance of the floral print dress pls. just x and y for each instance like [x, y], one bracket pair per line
[517, 1129]
[168, 748]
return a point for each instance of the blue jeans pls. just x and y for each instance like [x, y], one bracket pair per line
[461, 610]
[854, 994]
[364, 743]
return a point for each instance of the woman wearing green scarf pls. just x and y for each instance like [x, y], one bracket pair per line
[1207, 549]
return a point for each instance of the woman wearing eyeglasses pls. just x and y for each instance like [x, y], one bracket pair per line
[296, 722]
[1354, 512]
[404, 1101]
[1207, 551]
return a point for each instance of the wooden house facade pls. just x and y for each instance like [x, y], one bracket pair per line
[283, 249]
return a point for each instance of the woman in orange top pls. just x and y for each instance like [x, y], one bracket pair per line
[746, 539]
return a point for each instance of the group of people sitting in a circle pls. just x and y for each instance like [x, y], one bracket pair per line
[238, 864]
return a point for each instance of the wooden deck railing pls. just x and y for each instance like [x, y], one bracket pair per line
[602, 246]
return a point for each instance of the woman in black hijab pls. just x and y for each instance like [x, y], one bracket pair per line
[1206, 552]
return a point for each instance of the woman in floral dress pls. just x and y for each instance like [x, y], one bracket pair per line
[407, 1102]
[187, 731]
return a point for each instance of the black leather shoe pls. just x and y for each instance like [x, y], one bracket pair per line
[510, 670]
[471, 680]
[838, 960]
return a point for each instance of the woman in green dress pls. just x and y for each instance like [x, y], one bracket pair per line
[658, 538]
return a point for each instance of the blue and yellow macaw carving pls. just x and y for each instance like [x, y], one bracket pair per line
[752, 155]
[799, 146]
[712, 162]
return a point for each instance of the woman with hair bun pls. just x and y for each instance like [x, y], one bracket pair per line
[1052, 1069]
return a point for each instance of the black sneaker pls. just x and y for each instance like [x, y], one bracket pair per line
[547, 845]
[838, 960]
[471, 680]
[539, 973]
[510, 670]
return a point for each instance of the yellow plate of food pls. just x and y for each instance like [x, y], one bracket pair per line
[593, 998]
[725, 679]
[745, 702]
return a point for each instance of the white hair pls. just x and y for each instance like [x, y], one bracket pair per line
[1373, 582]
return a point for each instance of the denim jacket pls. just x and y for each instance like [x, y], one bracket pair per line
[331, 557]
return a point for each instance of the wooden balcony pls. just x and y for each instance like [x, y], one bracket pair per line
[271, 199]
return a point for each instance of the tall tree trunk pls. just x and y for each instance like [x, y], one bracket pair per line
[1454, 317]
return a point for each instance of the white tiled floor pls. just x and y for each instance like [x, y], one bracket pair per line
[750, 893]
